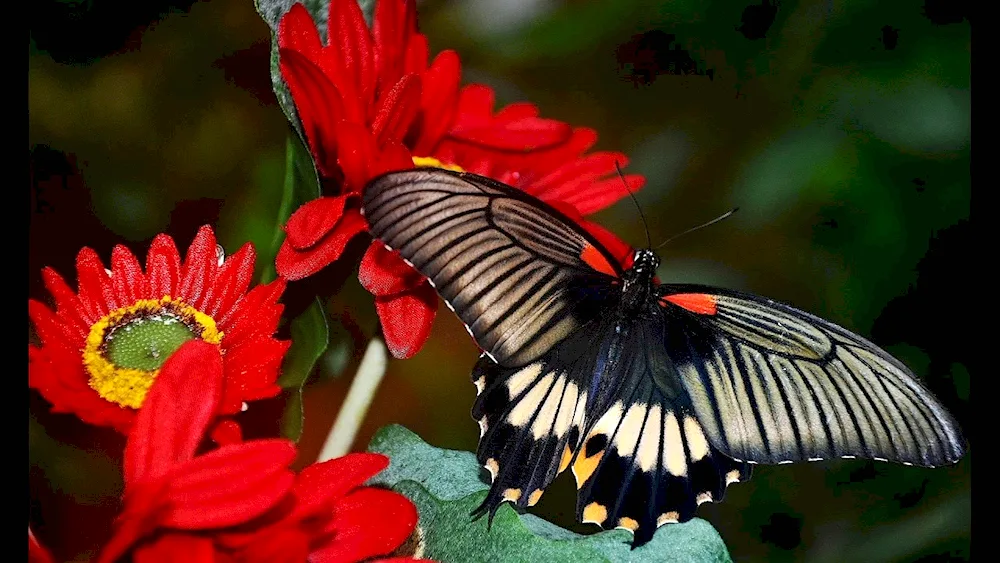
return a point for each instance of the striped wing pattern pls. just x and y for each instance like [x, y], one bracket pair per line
[645, 460]
[656, 403]
[772, 384]
[636, 449]
[530, 420]
[510, 269]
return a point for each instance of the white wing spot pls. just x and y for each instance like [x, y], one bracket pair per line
[493, 467]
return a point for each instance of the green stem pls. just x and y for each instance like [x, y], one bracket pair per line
[359, 399]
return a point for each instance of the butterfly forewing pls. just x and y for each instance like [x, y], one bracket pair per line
[516, 272]
[773, 384]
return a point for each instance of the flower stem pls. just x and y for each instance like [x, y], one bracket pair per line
[359, 398]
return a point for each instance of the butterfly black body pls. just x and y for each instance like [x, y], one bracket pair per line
[657, 396]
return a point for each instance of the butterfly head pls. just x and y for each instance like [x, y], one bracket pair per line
[645, 262]
[639, 279]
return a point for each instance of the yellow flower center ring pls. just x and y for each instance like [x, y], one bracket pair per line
[126, 348]
[429, 161]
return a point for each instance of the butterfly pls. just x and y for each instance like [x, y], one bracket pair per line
[656, 396]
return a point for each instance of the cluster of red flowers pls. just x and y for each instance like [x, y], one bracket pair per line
[369, 102]
[165, 355]
[168, 351]
[240, 502]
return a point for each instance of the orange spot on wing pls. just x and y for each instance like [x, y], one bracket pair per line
[593, 258]
[701, 303]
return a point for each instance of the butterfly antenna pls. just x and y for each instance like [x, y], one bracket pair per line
[649, 242]
[725, 215]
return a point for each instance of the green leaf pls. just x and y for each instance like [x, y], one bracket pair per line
[445, 486]
[310, 336]
[271, 12]
[301, 185]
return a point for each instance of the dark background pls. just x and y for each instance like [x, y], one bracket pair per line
[841, 130]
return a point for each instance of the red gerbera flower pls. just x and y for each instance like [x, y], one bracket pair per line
[329, 517]
[104, 344]
[369, 103]
[240, 502]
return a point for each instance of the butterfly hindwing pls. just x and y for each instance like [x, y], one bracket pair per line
[530, 420]
[772, 384]
[512, 268]
[644, 460]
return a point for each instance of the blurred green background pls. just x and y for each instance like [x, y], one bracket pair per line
[840, 129]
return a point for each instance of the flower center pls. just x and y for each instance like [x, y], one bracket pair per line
[433, 162]
[126, 349]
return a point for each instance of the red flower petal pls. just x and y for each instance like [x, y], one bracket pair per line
[234, 279]
[67, 304]
[367, 523]
[438, 100]
[251, 371]
[384, 273]
[176, 412]
[171, 547]
[256, 314]
[200, 268]
[94, 285]
[395, 22]
[618, 248]
[417, 53]
[297, 31]
[49, 328]
[406, 319]
[230, 485]
[296, 264]
[516, 111]
[57, 373]
[319, 105]
[287, 545]
[396, 110]
[598, 195]
[512, 132]
[313, 221]
[128, 282]
[227, 432]
[568, 179]
[394, 156]
[355, 157]
[321, 483]
[163, 266]
[351, 43]
[521, 135]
